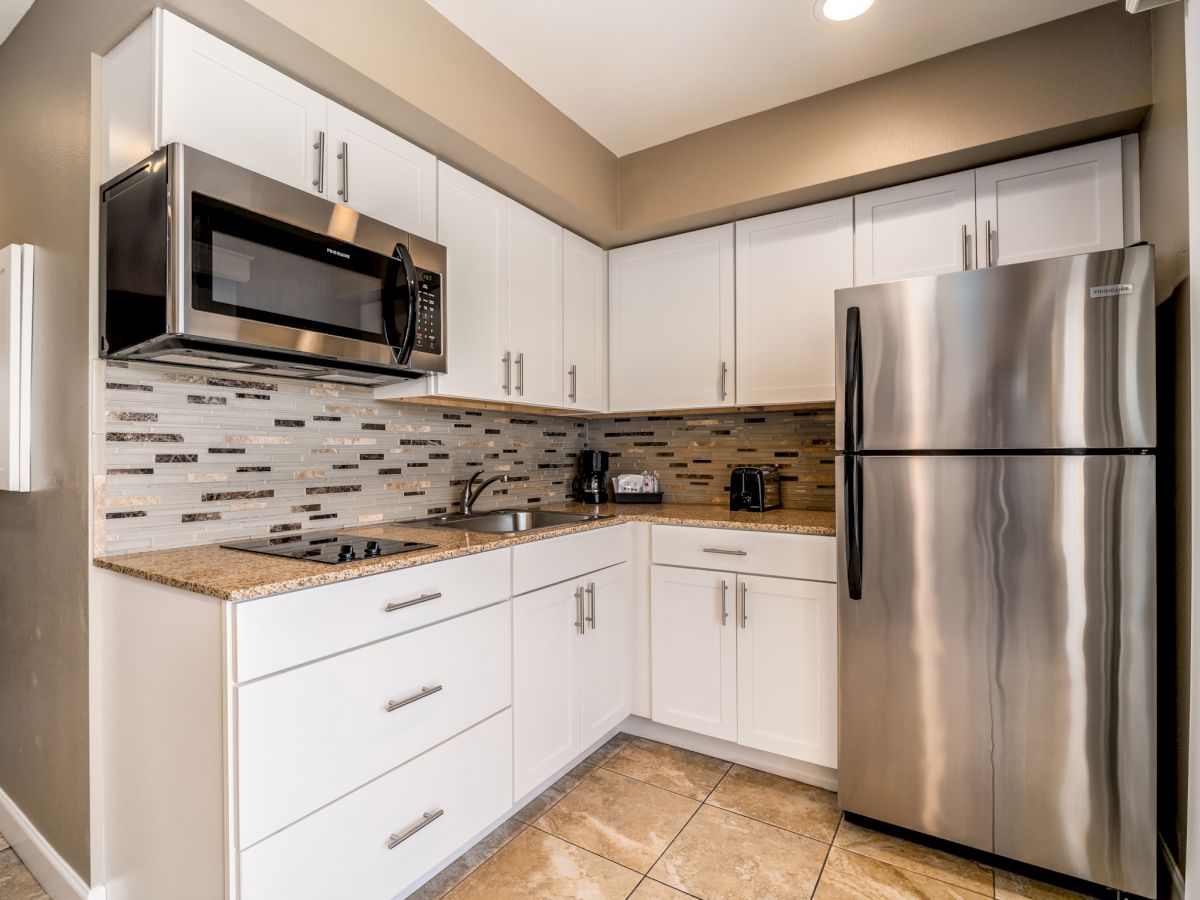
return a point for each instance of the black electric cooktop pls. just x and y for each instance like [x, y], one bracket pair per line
[328, 547]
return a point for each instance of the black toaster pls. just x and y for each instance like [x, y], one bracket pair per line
[754, 489]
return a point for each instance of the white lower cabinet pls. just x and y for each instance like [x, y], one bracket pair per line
[373, 842]
[569, 676]
[746, 658]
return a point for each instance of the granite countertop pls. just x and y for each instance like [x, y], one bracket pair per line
[237, 575]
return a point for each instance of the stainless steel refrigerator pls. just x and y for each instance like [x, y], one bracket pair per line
[996, 592]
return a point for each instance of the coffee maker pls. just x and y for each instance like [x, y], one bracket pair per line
[591, 484]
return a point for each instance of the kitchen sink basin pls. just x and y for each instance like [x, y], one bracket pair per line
[505, 521]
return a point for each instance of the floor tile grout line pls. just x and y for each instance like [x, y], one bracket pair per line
[825, 861]
[483, 862]
[775, 824]
[559, 837]
[903, 868]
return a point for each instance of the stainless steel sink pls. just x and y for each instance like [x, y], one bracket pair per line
[504, 521]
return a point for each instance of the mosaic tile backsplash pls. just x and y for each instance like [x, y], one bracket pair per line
[192, 456]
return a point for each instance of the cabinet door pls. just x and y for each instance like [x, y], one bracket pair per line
[1054, 204]
[535, 307]
[585, 324]
[546, 648]
[693, 650]
[222, 101]
[380, 174]
[604, 689]
[473, 224]
[787, 667]
[788, 266]
[923, 228]
[672, 322]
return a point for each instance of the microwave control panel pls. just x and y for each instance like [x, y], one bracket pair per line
[429, 313]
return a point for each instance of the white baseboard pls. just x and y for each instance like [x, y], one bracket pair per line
[56, 877]
[819, 776]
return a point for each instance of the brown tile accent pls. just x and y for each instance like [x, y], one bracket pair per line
[673, 768]
[788, 804]
[849, 876]
[914, 857]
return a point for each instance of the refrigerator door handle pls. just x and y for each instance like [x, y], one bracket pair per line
[853, 397]
[854, 514]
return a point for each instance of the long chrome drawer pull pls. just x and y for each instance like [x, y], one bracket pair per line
[724, 597]
[400, 837]
[405, 604]
[394, 705]
[725, 552]
[744, 615]
[579, 619]
[591, 595]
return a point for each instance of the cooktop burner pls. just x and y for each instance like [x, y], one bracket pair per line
[328, 547]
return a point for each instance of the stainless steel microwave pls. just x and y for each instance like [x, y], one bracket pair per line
[205, 263]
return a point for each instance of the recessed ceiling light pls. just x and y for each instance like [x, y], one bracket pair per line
[841, 10]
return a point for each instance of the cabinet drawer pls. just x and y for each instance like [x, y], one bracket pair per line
[286, 630]
[542, 563]
[343, 849]
[808, 556]
[308, 736]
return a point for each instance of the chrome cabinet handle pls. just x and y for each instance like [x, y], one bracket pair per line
[726, 552]
[742, 587]
[965, 245]
[724, 379]
[521, 374]
[591, 595]
[579, 609]
[344, 156]
[319, 146]
[405, 604]
[424, 692]
[573, 372]
[400, 837]
[507, 360]
[724, 598]
[987, 240]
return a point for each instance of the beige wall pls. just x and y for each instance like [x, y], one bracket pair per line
[1165, 224]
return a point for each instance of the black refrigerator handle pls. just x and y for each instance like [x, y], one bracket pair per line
[852, 400]
[853, 498]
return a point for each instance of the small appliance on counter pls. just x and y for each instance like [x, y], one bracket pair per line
[327, 547]
[591, 484]
[754, 489]
[642, 488]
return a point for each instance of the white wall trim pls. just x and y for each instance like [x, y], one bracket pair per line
[809, 773]
[53, 873]
[1191, 32]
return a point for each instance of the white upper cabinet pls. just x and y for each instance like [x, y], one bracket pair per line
[473, 224]
[535, 302]
[1054, 204]
[585, 324]
[380, 174]
[225, 102]
[671, 322]
[788, 266]
[923, 228]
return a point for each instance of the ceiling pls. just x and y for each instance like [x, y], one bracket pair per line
[10, 14]
[635, 73]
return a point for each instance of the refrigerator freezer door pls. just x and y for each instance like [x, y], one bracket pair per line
[1056, 354]
[1000, 664]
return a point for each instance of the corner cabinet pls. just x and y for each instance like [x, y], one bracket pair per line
[671, 322]
[788, 266]
[585, 324]
[171, 81]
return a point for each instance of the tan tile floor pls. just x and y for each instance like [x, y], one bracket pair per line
[647, 821]
[15, 881]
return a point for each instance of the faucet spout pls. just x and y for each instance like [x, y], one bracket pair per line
[471, 493]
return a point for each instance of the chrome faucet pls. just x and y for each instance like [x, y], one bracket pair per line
[470, 496]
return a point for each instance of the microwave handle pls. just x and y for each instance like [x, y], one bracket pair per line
[408, 339]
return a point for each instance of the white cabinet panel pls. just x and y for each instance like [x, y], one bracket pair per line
[544, 562]
[923, 228]
[546, 646]
[604, 689]
[308, 736]
[473, 224]
[787, 668]
[808, 556]
[380, 174]
[16, 365]
[223, 101]
[585, 324]
[535, 332]
[1054, 204]
[671, 322]
[788, 266]
[343, 849]
[694, 650]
